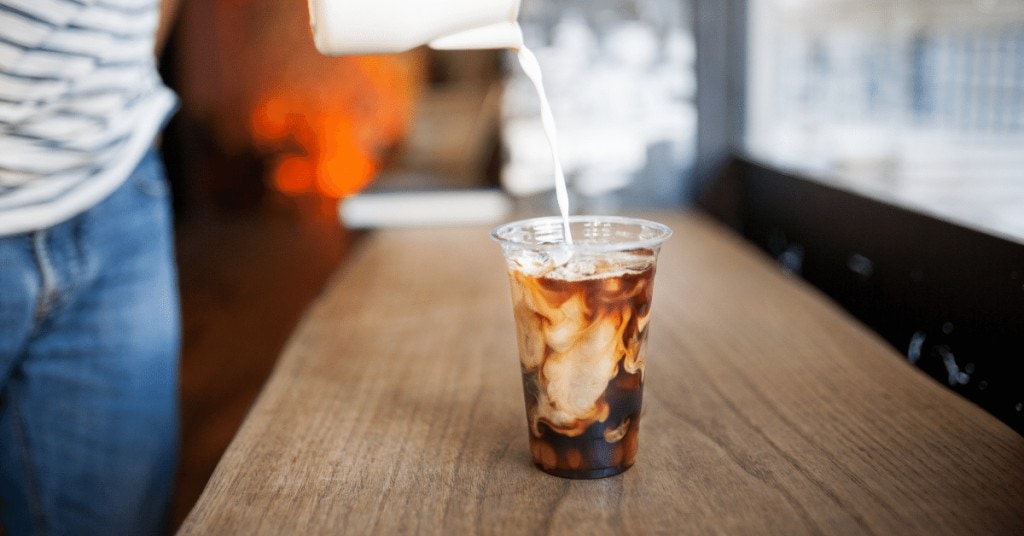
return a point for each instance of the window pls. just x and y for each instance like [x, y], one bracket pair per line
[916, 102]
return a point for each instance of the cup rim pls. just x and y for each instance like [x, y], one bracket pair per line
[663, 232]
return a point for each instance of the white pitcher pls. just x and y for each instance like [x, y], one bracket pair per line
[342, 27]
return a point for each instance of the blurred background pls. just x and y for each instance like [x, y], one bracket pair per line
[916, 103]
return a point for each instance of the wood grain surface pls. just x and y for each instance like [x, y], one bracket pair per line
[396, 408]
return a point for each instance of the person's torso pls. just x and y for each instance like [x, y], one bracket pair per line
[80, 101]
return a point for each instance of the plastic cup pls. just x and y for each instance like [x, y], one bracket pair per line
[582, 314]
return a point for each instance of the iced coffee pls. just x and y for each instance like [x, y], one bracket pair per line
[581, 315]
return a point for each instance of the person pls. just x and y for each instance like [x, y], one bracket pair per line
[89, 318]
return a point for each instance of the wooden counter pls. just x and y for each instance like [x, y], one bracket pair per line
[397, 408]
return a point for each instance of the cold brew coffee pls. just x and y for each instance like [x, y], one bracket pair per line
[581, 316]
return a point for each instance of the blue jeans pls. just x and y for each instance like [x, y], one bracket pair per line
[89, 342]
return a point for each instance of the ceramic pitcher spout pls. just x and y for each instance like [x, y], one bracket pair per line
[501, 35]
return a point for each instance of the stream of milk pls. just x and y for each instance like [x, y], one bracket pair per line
[531, 67]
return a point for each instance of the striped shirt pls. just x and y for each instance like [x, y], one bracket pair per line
[80, 103]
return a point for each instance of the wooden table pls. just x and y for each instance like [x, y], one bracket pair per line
[397, 408]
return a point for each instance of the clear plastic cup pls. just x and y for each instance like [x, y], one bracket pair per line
[582, 314]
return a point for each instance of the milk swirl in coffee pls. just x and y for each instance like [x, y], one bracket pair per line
[582, 330]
